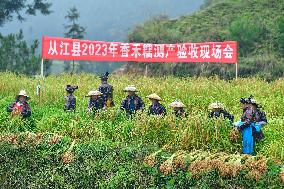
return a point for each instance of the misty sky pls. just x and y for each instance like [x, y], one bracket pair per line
[109, 20]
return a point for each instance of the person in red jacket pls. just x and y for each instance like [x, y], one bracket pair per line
[20, 106]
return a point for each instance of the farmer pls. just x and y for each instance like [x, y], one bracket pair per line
[260, 120]
[20, 106]
[70, 99]
[217, 110]
[132, 102]
[106, 90]
[96, 103]
[246, 124]
[178, 108]
[156, 108]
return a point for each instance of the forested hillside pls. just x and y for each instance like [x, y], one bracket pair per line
[257, 25]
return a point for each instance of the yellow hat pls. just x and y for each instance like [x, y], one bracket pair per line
[94, 93]
[154, 96]
[130, 88]
[216, 105]
[177, 104]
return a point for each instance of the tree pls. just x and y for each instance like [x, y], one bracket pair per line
[280, 36]
[247, 32]
[17, 56]
[74, 31]
[9, 8]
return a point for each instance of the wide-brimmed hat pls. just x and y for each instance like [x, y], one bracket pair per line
[94, 93]
[23, 93]
[154, 96]
[216, 105]
[177, 104]
[130, 88]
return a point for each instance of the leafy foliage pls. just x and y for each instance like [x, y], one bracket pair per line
[9, 8]
[17, 56]
[74, 31]
[15, 53]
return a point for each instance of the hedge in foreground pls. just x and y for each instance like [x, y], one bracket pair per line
[33, 160]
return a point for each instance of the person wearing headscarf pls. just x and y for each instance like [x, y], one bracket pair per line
[245, 125]
[20, 106]
[132, 103]
[156, 108]
[70, 99]
[260, 119]
[107, 91]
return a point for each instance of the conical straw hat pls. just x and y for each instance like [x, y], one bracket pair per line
[177, 104]
[154, 96]
[94, 93]
[130, 88]
[23, 93]
[216, 105]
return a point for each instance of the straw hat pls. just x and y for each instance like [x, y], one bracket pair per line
[216, 105]
[130, 88]
[94, 93]
[23, 93]
[177, 104]
[154, 96]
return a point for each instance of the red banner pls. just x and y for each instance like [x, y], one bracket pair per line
[73, 49]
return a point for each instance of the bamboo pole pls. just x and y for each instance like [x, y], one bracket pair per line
[41, 70]
[237, 70]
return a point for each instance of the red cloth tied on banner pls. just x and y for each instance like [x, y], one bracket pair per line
[74, 49]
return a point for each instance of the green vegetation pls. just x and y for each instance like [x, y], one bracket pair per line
[257, 25]
[15, 53]
[65, 150]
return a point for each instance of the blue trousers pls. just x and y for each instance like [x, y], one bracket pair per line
[248, 141]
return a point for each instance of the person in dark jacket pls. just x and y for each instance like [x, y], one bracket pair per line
[156, 108]
[178, 109]
[132, 103]
[260, 119]
[96, 103]
[70, 99]
[106, 90]
[217, 110]
[20, 106]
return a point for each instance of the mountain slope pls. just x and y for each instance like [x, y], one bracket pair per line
[253, 23]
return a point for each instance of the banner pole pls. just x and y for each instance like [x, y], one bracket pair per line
[41, 68]
[236, 70]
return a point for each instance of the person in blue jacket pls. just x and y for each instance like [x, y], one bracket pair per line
[156, 108]
[132, 103]
[70, 99]
[96, 103]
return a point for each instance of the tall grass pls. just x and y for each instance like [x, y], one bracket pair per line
[195, 132]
